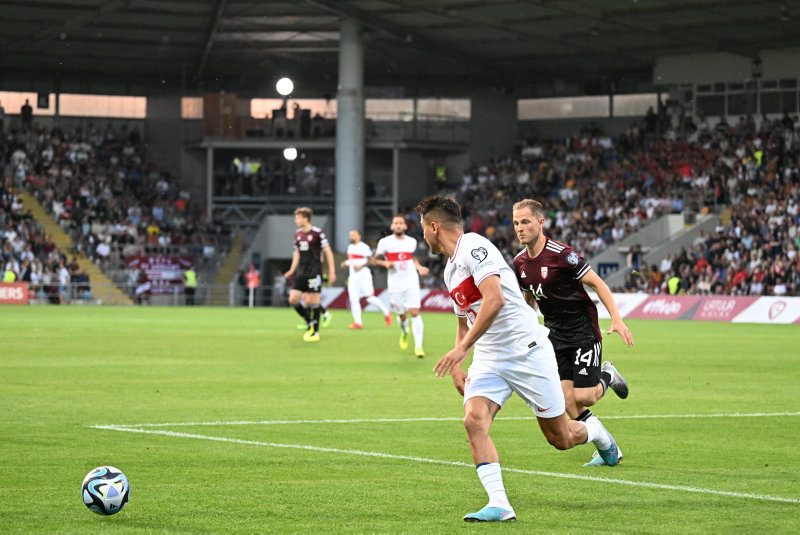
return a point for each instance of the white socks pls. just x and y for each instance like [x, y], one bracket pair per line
[492, 481]
[417, 328]
[597, 435]
[355, 308]
[403, 324]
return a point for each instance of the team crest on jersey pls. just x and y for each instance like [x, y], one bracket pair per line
[572, 258]
[544, 272]
[479, 254]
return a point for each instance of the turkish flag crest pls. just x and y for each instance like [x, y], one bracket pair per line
[544, 272]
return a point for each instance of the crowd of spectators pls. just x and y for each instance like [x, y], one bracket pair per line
[597, 189]
[102, 190]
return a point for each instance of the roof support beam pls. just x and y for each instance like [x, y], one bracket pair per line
[210, 37]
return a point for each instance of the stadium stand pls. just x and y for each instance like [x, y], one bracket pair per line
[107, 202]
[598, 189]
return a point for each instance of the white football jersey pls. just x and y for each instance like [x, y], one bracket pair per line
[357, 255]
[403, 274]
[516, 328]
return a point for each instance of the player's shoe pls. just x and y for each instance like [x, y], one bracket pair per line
[355, 326]
[403, 342]
[491, 514]
[311, 336]
[598, 461]
[610, 455]
[326, 319]
[618, 383]
[419, 352]
[387, 319]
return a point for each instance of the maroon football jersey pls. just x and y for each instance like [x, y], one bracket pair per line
[310, 243]
[554, 279]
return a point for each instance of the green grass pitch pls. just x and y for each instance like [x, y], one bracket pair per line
[710, 431]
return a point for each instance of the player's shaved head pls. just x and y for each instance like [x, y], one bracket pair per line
[440, 209]
[534, 206]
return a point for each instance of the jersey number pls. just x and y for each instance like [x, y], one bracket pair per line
[585, 358]
[303, 246]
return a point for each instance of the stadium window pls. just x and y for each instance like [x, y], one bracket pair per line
[13, 101]
[263, 108]
[532, 109]
[389, 109]
[634, 105]
[192, 108]
[443, 109]
[742, 103]
[788, 83]
[111, 106]
[711, 105]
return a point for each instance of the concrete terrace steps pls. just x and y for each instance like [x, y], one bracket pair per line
[111, 294]
[228, 270]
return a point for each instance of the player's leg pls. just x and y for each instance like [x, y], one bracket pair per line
[479, 412]
[418, 328]
[397, 299]
[295, 298]
[368, 290]
[583, 386]
[311, 298]
[377, 303]
[355, 305]
[414, 302]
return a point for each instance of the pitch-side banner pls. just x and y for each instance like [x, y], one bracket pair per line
[637, 306]
[164, 273]
[14, 293]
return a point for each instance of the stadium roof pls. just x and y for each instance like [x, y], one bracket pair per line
[447, 45]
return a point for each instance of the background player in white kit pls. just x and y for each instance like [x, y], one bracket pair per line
[398, 250]
[512, 352]
[359, 280]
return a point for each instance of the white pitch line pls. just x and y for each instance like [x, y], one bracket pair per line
[453, 463]
[448, 419]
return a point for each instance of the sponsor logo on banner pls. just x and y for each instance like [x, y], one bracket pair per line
[14, 293]
[771, 309]
[664, 307]
[722, 308]
[776, 309]
[437, 301]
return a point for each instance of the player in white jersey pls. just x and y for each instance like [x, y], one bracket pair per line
[359, 280]
[512, 352]
[397, 251]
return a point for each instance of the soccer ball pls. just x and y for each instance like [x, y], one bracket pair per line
[105, 490]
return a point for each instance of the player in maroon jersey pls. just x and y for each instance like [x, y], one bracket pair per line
[309, 243]
[552, 276]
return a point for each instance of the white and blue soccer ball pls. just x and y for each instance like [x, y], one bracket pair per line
[105, 490]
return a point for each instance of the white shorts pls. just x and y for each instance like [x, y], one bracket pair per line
[403, 300]
[360, 287]
[534, 377]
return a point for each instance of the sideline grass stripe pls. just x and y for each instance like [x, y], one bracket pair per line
[451, 463]
[447, 419]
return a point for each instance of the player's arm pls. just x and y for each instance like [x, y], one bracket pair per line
[593, 281]
[530, 299]
[328, 252]
[295, 262]
[377, 261]
[422, 270]
[491, 304]
[458, 374]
